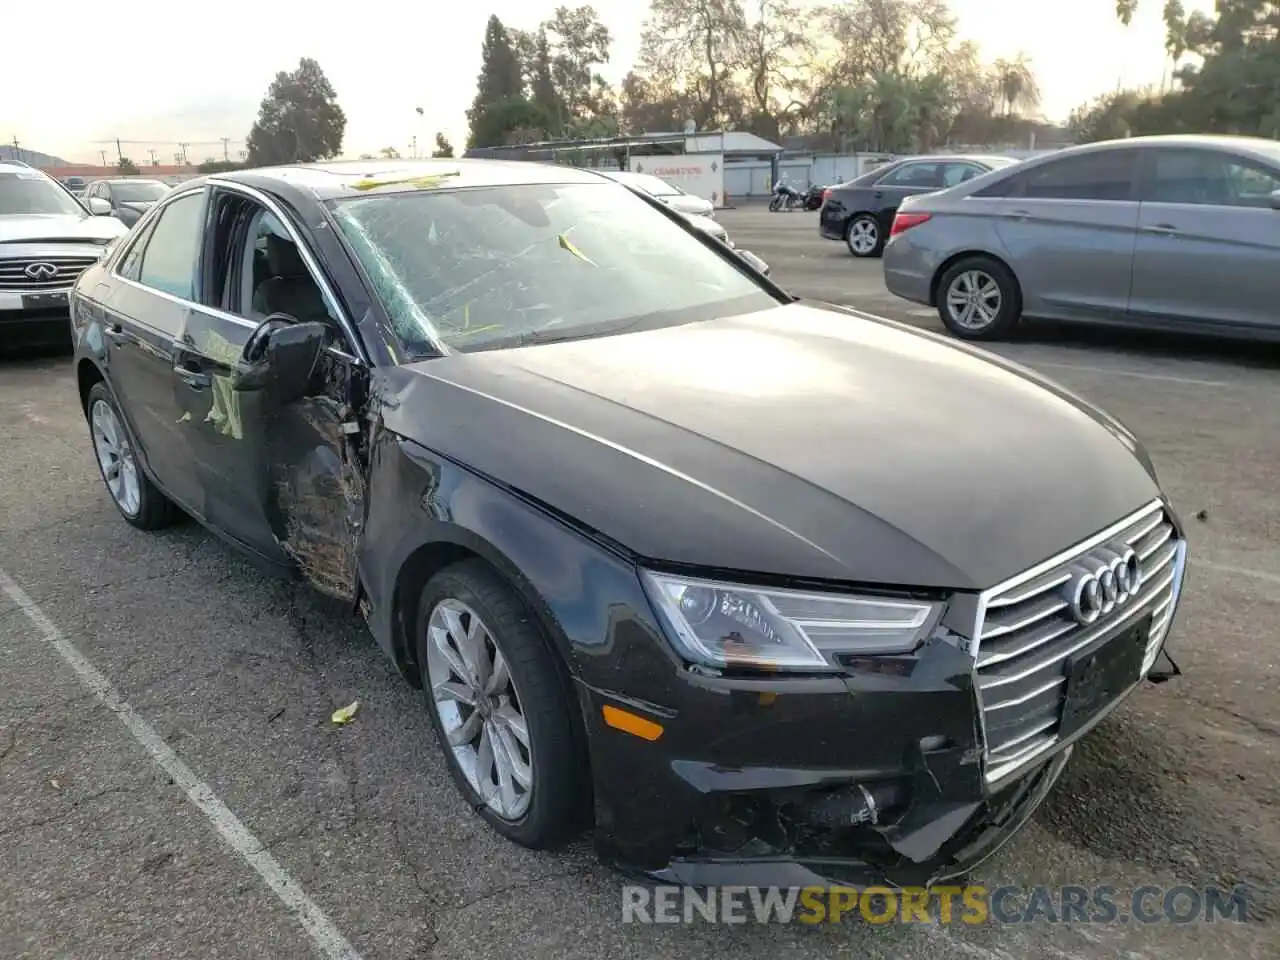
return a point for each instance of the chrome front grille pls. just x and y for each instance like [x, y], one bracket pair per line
[14, 276]
[1027, 629]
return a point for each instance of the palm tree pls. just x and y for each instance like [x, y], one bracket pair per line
[1017, 84]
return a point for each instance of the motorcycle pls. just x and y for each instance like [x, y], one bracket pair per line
[815, 197]
[784, 197]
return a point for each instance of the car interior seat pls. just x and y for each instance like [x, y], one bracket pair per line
[288, 288]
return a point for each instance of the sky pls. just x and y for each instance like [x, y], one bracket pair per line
[149, 74]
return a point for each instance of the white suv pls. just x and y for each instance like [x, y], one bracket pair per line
[47, 239]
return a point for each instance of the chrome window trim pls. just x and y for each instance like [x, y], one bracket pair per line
[265, 201]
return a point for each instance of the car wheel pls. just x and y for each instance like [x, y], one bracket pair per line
[139, 500]
[775, 204]
[978, 299]
[863, 236]
[498, 706]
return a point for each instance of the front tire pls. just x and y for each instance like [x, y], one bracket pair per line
[139, 501]
[863, 236]
[979, 299]
[775, 204]
[498, 706]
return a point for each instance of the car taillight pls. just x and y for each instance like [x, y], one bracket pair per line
[826, 193]
[905, 221]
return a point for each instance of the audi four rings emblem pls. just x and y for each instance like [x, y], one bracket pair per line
[41, 271]
[1110, 578]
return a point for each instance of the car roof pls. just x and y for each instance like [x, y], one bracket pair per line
[337, 179]
[13, 166]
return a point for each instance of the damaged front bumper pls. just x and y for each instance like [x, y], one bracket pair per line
[874, 778]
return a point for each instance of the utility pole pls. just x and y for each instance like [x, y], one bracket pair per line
[226, 149]
[17, 150]
[103, 155]
[183, 148]
[413, 147]
[152, 151]
[119, 152]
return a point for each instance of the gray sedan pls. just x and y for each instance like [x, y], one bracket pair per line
[1173, 233]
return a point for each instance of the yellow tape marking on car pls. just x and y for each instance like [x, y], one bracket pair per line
[628, 722]
[566, 245]
[426, 182]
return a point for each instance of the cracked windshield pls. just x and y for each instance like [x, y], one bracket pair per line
[484, 267]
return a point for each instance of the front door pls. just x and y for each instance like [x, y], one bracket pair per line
[1208, 240]
[1069, 228]
[147, 309]
[285, 479]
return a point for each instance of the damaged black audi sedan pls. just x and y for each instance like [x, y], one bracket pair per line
[766, 592]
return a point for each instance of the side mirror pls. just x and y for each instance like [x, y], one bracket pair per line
[1275, 199]
[99, 207]
[756, 264]
[280, 356]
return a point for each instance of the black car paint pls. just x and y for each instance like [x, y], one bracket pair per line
[866, 195]
[412, 465]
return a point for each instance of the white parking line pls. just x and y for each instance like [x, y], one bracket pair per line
[319, 928]
[1263, 575]
[1117, 372]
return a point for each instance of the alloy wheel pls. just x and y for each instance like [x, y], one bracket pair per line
[974, 299]
[115, 457]
[863, 237]
[479, 708]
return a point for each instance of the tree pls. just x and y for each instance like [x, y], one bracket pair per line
[127, 167]
[1234, 89]
[501, 79]
[299, 120]
[575, 42]
[773, 46]
[443, 147]
[1017, 84]
[542, 85]
[697, 45]
[389, 153]
[514, 120]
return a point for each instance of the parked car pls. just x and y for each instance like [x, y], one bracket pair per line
[587, 478]
[666, 192]
[1172, 233]
[126, 198]
[861, 211]
[76, 185]
[46, 240]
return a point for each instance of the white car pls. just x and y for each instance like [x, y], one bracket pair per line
[659, 189]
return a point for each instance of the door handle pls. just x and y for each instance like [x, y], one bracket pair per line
[193, 377]
[1018, 214]
[1163, 228]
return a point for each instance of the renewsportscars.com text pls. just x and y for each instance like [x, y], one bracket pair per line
[971, 905]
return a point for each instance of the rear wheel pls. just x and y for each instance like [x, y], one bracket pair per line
[978, 299]
[498, 706]
[139, 501]
[863, 236]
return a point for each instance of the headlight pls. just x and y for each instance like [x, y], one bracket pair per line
[727, 625]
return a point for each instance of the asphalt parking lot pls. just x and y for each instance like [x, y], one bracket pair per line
[171, 784]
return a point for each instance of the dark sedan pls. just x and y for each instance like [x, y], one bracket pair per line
[766, 592]
[861, 211]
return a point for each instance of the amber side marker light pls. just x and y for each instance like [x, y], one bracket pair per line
[628, 722]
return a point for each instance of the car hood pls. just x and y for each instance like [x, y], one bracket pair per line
[66, 228]
[794, 441]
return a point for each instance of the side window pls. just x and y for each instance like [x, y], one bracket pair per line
[953, 173]
[1106, 175]
[275, 277]
[1208, 178]
[913, 175]
[131, 262]
[169, 259]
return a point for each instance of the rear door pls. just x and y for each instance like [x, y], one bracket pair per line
[151, 298]
[1208, 249]
[1069, 227]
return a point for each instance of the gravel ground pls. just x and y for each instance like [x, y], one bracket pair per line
[103, 855]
